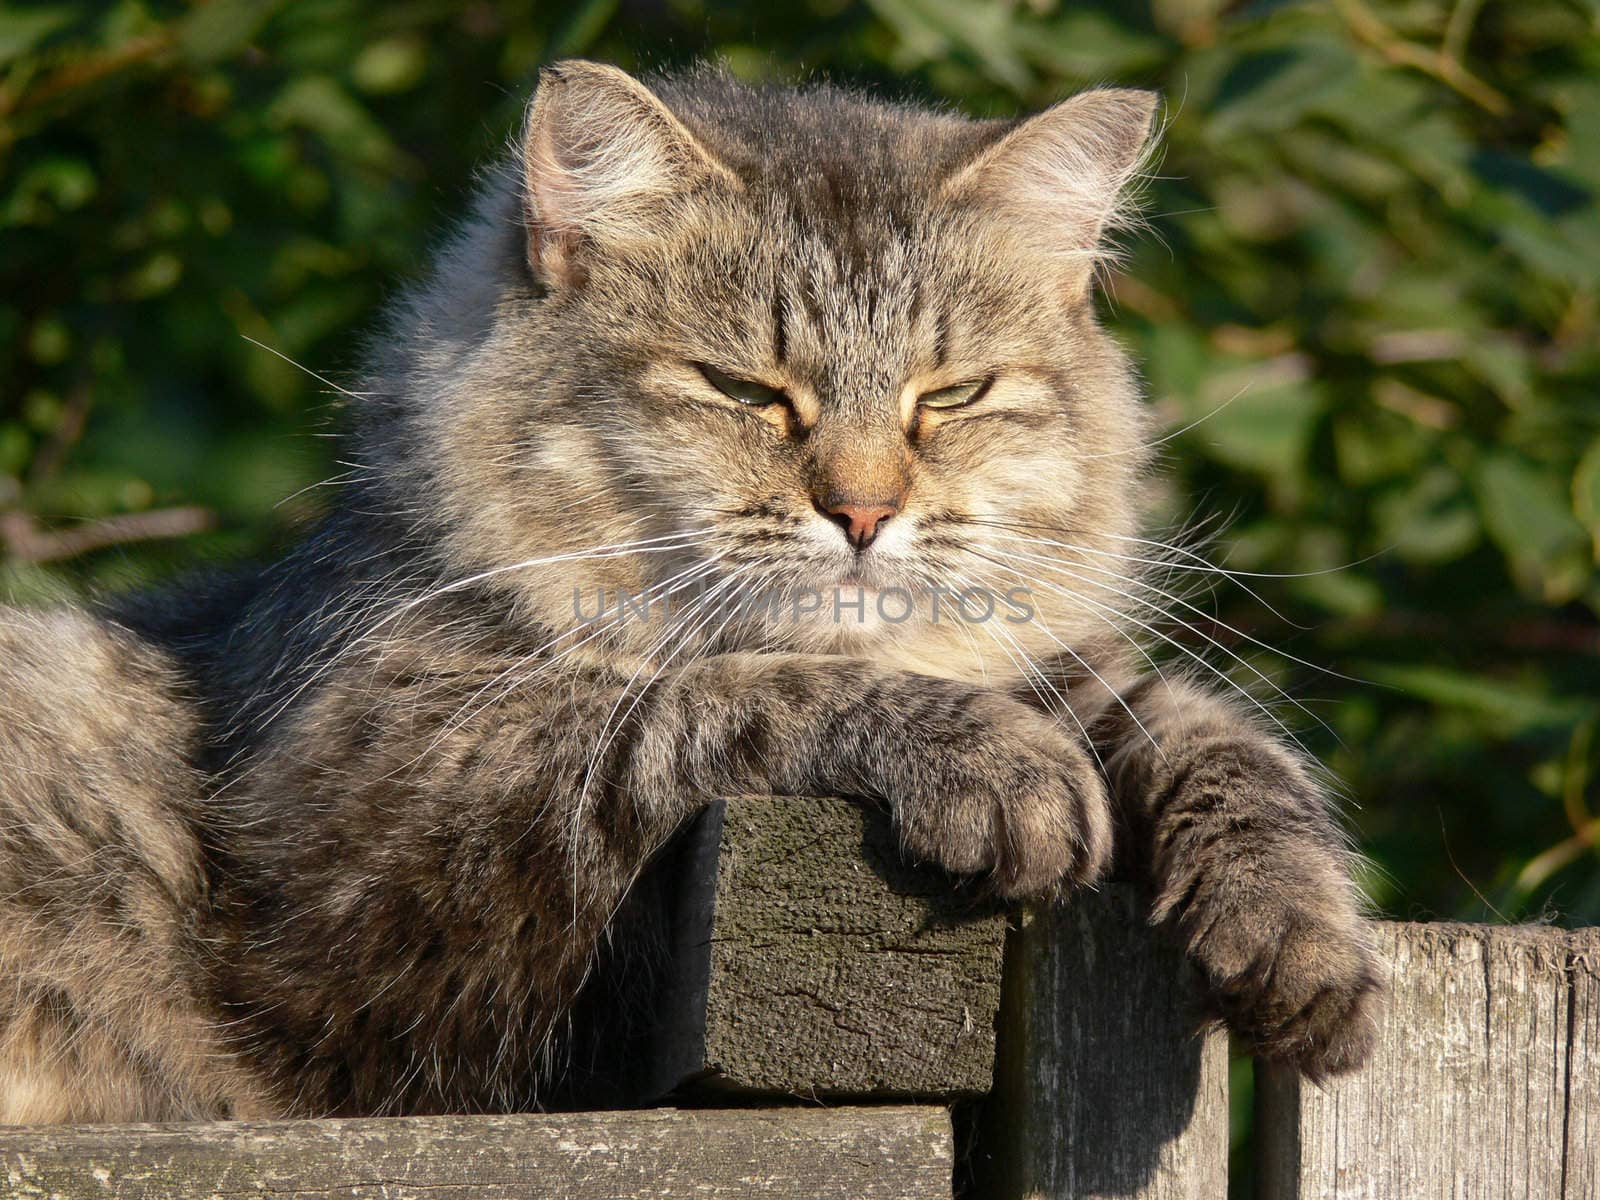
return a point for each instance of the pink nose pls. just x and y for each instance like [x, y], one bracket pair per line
[859, 520]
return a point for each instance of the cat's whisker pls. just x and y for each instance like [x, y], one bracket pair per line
[367, 639]
[1036, 678]
[677, 635]
[610, 550]
[687, 577]
[1080, 598]
[1174, 434]
[1059, 567]
[322, 379]
[514, 677]
[606, 736]
[1199, 564]
[343, 479]
[972, 642]
[1232, 573]
[1238, 633]
[1098, 678]
[1133, 642]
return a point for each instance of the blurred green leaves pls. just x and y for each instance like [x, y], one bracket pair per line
[1366, 307]
[1532, 520]
[22, 29]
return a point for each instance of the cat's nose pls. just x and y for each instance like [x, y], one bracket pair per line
[859, 519]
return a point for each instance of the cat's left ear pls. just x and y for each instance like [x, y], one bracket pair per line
[603, 159]
[1063, 174]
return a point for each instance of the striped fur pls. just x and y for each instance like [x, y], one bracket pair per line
[371, 829]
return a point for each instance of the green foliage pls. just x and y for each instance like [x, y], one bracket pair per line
[1366, 304]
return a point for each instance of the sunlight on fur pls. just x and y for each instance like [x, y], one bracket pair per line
[357, 831]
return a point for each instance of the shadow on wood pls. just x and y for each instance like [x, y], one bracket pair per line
[1105, 1089]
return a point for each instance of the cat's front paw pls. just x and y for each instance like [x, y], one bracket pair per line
[1003, 790]
[1295, 975]
[1251, 877]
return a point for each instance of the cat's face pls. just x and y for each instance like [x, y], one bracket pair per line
[838, 360]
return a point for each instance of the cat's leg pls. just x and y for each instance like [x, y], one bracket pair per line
[465, 856]
[976, 781]
[1248, 867]
[101, 888]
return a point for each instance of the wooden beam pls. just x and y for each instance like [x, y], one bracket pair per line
[788, 1153]
[1486, 1081]
[1105, 1087]
[813, 960]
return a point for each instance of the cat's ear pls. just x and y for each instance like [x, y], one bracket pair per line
[601, 156]
[1063, 174]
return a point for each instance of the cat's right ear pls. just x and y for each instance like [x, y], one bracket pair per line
[602, 159]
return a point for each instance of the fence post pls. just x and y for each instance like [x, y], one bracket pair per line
[1485, 1083]
[1103, 1088]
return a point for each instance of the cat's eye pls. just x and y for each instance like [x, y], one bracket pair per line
[745, 391]
[956, 396]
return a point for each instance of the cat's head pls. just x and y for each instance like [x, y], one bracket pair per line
[711, 339]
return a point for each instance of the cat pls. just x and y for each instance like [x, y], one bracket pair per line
[347, 833]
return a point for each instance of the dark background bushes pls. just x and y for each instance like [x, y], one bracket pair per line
[1366, 305]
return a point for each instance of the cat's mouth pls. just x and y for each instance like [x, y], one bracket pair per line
[869, 576]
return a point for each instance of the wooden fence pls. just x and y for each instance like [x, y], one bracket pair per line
[830, 1006]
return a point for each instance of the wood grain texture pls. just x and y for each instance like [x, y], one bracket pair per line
[815, 961]
[1105, 1087]
[1483, 1085]
[886, 1153]
[1583, 1067]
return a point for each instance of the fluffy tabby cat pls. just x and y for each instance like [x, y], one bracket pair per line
[345, 834]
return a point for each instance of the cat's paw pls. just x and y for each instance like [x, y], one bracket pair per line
[1251, 876]
[1297, 976]
[1004, 791]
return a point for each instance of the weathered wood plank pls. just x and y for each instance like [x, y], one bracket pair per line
[1489, 1035]
[1583, 1069]
[815, 961]
[803, 1154]
[1104, 1087]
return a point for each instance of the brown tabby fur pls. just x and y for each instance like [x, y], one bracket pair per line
[348, 833]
